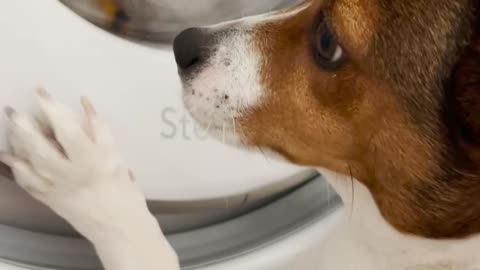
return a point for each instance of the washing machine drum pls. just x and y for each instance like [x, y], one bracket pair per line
[161, 20]
[209, 198]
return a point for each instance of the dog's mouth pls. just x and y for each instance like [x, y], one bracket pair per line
[208, 98]
[220, 126]
[212, 126]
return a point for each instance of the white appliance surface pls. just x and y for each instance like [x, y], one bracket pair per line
[135, 89]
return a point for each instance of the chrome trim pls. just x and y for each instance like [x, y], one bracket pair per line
[160, 21]
[20, 210]
[305, 205]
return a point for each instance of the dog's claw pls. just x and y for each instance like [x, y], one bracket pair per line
[10, 112]
[43, 93]
[87, 106]
[8, 159]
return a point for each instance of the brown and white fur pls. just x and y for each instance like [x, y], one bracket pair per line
[390, 113]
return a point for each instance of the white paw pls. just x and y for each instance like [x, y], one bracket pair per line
[69, 162]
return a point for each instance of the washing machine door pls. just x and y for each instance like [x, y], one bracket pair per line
[136, 90]
[208, 197]
[162, 20]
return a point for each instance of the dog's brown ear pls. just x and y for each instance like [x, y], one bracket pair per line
[465, 96]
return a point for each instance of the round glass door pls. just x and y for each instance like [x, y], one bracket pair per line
[162, 20]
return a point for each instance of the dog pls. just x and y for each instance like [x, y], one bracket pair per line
[382, 96]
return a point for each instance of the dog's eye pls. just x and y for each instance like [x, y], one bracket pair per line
[329, 52]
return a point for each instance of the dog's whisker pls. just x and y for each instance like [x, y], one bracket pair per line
[353, 190]
[209, 125]
[237, 132]
[263, 153]
[234, 127]
[207, 129]
[328, 195]
[234, 123]
[223, 132]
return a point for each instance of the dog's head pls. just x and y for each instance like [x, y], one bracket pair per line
[384, 90]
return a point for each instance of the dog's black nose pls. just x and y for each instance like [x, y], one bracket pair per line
[192, 48]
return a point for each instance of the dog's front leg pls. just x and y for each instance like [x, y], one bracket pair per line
[70, 163]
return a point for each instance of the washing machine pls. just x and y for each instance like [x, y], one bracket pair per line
[221, 208]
